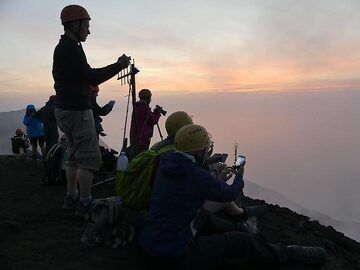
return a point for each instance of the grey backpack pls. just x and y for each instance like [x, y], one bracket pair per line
[105, 224]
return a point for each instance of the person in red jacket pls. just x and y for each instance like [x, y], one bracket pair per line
[146, 119]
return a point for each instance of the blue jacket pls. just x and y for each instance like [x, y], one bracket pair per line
[34, 127]
[179, 191]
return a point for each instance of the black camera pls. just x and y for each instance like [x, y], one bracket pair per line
[160, 110]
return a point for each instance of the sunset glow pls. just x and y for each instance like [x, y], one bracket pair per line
[191, 46]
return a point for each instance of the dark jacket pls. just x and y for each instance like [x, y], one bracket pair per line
[47, 116]
[179, 191]
[73, 75]
[145, 121]
[167, 141]
[99, 111]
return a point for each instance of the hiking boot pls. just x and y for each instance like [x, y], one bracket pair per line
[82, 209]
[307, 255]
[255, 211]
[70, 202]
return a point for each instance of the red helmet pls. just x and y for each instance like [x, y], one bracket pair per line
[144, 94]
[73, 13]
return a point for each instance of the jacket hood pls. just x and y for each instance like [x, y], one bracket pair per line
[30, 107]
[176, 164]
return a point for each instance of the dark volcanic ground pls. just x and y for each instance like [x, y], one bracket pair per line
[35, 233]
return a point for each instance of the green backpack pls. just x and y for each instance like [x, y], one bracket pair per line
[134, 186]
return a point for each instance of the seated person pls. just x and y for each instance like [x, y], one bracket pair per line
[20, 142]
[176, 232]
[173, 123]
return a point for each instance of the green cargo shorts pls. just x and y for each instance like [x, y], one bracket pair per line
[83, 143]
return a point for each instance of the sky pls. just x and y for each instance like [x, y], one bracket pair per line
[188, 46]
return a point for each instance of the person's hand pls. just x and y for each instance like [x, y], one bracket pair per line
[213, 159]
[222, 171]
[237, 172]
[112, 103]
[124, 60]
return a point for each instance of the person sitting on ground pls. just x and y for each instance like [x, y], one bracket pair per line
[72, 76]
[176, 121]
[47, 116]
[20, 143]
[141, 133]
[34, 130]
[177, 234]
[173, 123]
[99, 111]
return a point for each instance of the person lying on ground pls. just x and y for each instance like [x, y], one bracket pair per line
[177, 234]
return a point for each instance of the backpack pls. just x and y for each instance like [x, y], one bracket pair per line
[135, 184]
[54, 165]
[105, 224]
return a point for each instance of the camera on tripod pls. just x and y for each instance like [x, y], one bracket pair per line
[160, 110]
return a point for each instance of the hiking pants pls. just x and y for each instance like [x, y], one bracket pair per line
[213, 250]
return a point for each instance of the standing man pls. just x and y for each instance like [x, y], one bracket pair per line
[73, 75]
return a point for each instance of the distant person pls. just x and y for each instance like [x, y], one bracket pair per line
[178, 234]
[47, 115]
[73, 75]
[142, 132]
[99, 111]
[20, 143]
[34, 130]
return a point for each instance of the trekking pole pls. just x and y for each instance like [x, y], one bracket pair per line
[109, 180]
[125, 125]
[127, 76]
[161, 136]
